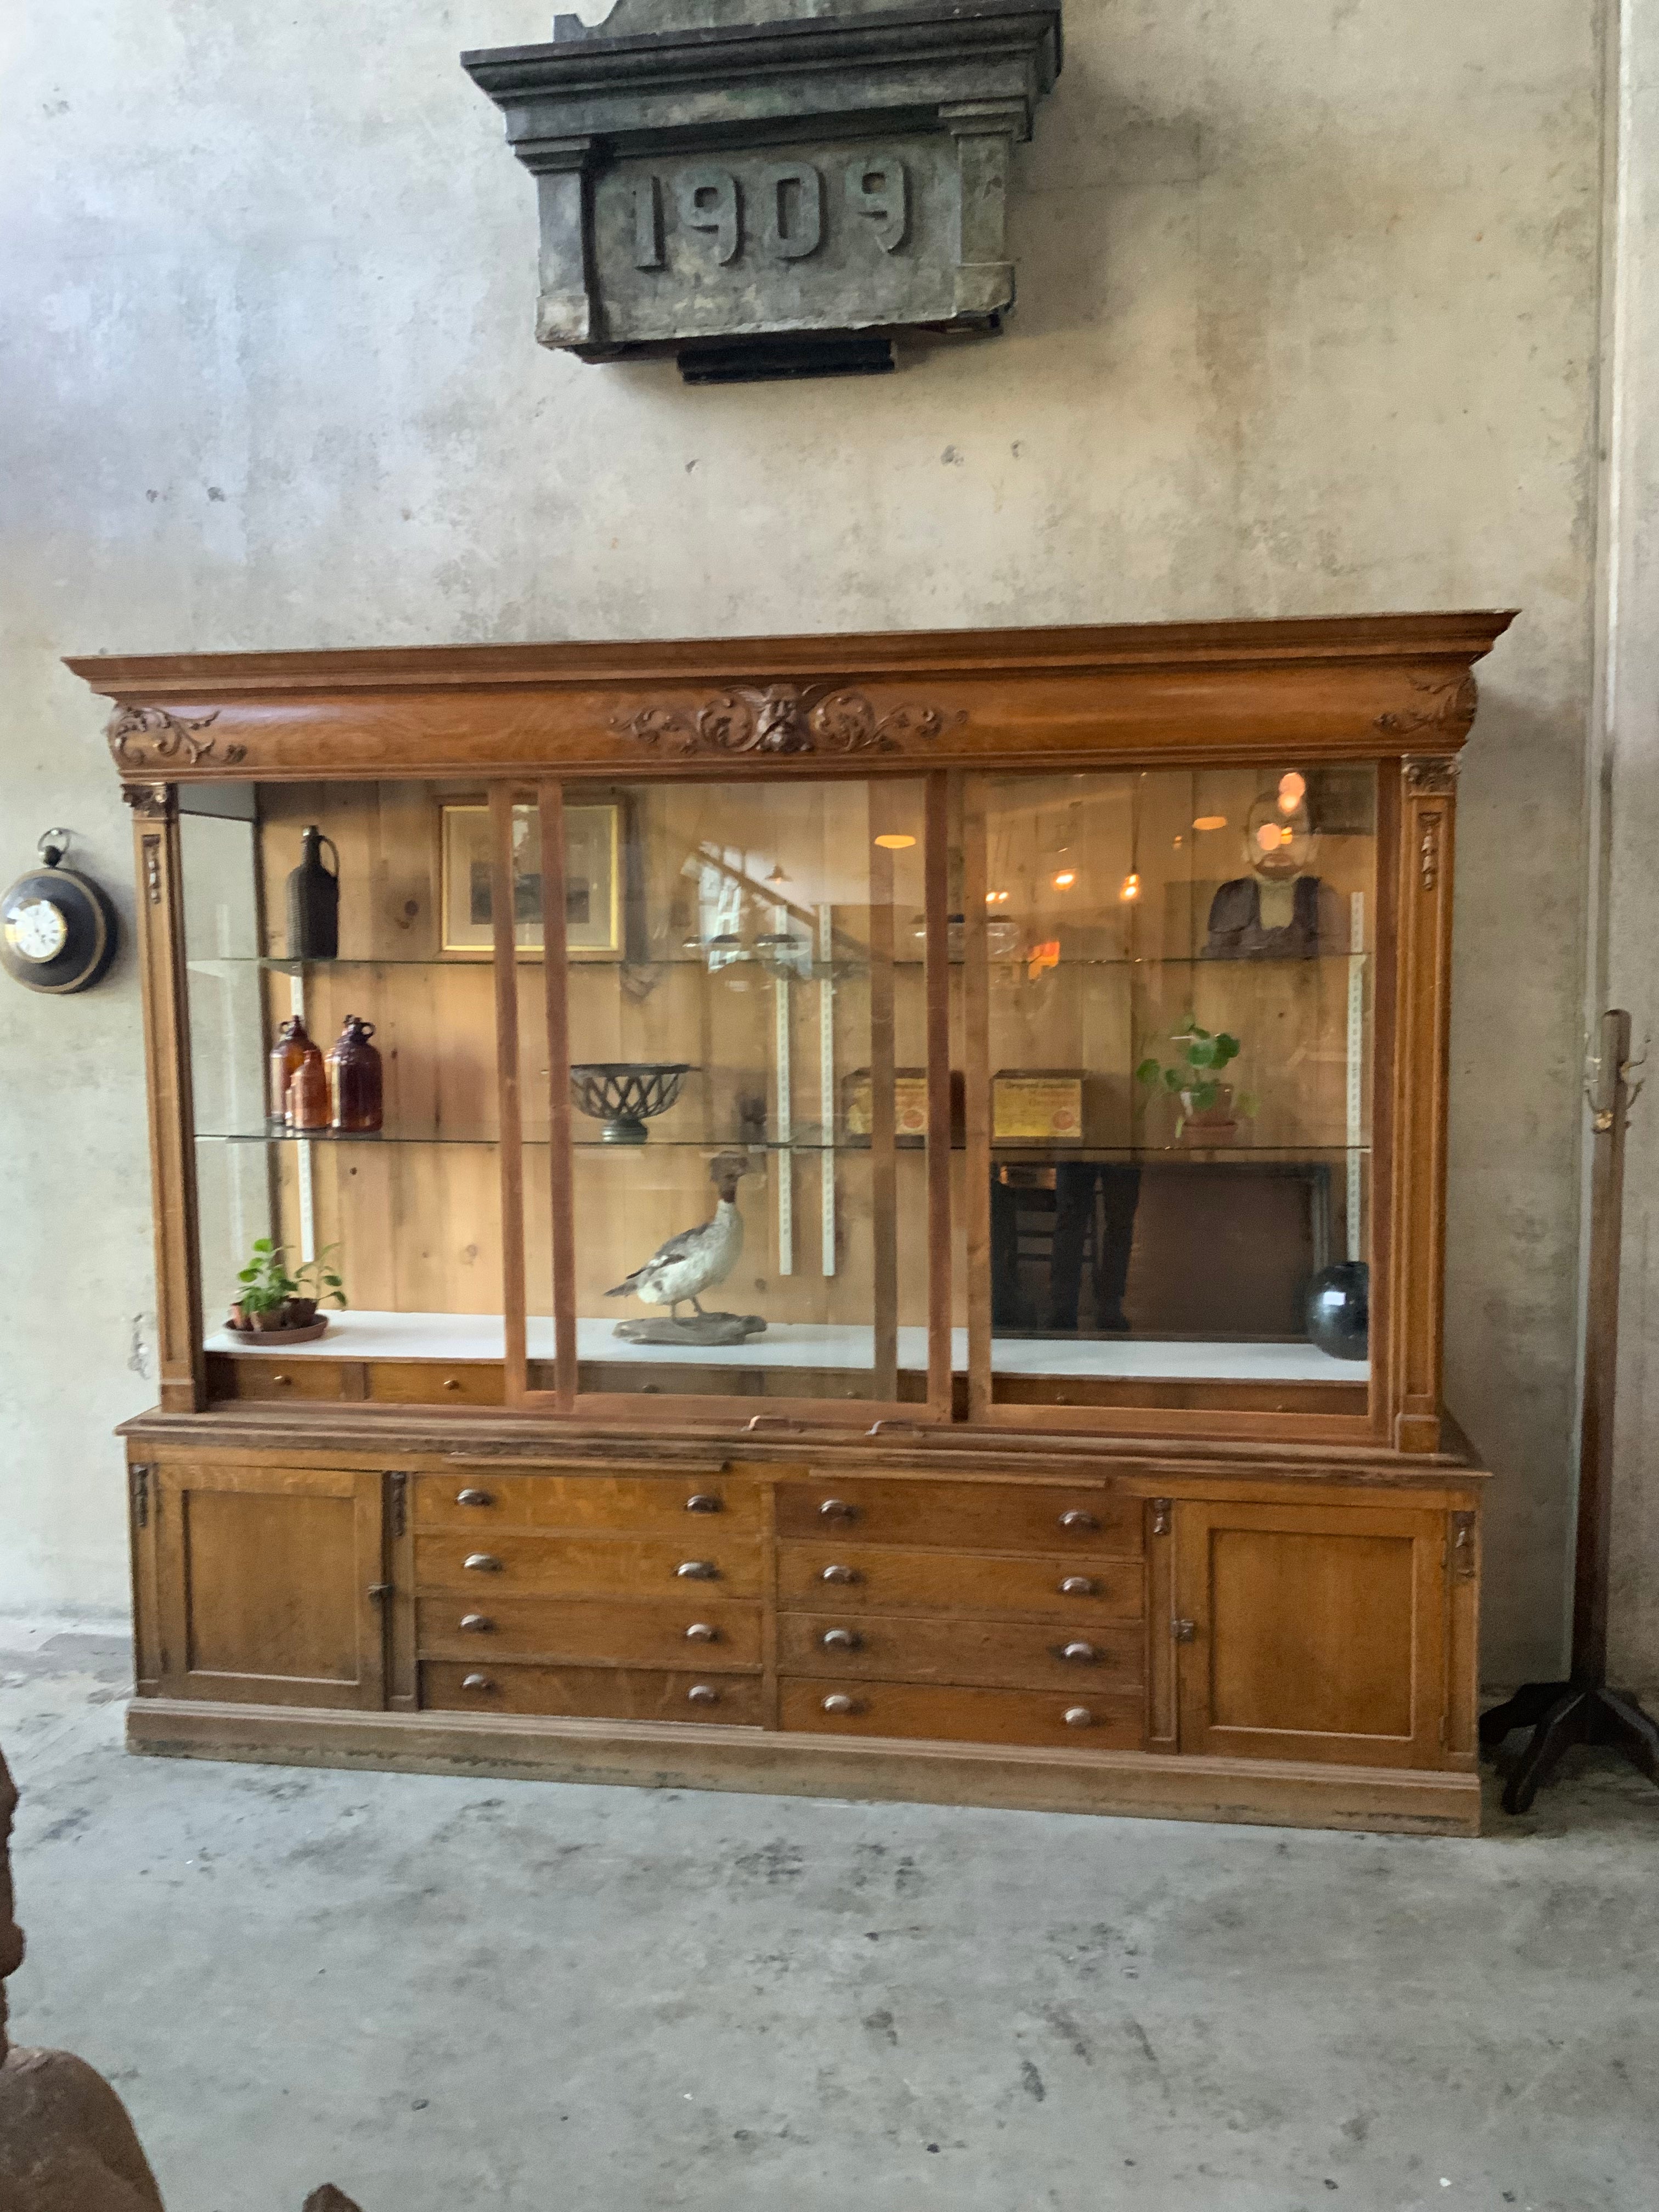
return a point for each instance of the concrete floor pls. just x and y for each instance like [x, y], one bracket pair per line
[449, 1993]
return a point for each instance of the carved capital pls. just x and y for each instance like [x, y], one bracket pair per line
[781, 718]
[1446, 705]
[151, 802]
[1427, 775]
[149, 737]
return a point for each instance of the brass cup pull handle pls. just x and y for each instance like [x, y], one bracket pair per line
[1083, 1653]
[478, 1623]
[841, 1639]
[703, 1693]
[451, 1383]
[1078, 1586]
[473, 1497]
[1077, 1520]
[697, 1571]
[479, 1685]
[482, 1563]
[701, 1633]
[839, 1702]
[839, 1575]
[837, 1509]
[702, 1501]
[1078, 1716]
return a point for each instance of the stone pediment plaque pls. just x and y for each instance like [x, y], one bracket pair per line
[773, 197]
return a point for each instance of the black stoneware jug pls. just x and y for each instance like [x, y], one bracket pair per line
[313, 902]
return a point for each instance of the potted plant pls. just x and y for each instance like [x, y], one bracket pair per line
[272, 1298]
[1194, 1078]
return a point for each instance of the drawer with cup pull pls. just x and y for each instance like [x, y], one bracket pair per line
[271, 1375]
[1087, 1721]
[704, 1557]
[989, 1516]
[627, 1505]
[996, 1654]
[613, 1694]
[720, 1634]
[873, 1579]
[436, 1382]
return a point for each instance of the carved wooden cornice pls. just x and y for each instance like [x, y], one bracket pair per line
[1327, 690]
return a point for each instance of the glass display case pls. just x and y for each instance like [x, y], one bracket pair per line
[1052, 1088]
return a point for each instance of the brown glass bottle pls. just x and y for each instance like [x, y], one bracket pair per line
[307, 1093]
[354, 1080]
[289, 1049]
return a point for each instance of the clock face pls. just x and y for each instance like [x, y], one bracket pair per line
[36, 929]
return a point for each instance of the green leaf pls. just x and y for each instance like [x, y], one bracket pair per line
[1172, 1079]
[263, 1244]
[1147, 1072]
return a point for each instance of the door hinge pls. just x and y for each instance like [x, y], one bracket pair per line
[1184, 1632]
[399, 1482]
[141, 1476]
[1462, 1553]
[1161, 1509]
[379, 1592]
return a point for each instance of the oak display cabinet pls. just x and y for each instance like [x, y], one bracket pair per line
[1042, 1036]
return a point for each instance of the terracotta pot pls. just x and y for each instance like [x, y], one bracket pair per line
[268, 1323]
[1209, 1125]
[238, 1319]
[298, 1313]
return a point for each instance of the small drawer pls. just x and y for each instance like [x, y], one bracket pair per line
[1084, 1591]
[508, 1560]
[1000, 1654]
[637, 1505]
[1088, 1722]
[436, 1383]
[613, 1694]
[583, 1631]
[271, 1376]
[967, 1516]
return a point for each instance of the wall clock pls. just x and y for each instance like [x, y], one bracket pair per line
[57, 929]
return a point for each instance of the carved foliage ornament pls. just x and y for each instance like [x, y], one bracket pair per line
[784, 719]
[149, 736]
[1448, 705]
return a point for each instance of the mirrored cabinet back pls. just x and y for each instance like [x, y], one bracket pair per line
[860, 1215]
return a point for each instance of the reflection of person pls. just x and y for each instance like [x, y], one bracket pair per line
[1074, 1215]
[1281, 910]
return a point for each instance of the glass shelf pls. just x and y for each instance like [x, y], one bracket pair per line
[1006, 1152]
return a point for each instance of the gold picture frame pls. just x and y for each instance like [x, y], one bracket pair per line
[592, 844]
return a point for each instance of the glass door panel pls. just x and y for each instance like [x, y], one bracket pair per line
[749, 1088]
[405, 1211]
[1173, 977]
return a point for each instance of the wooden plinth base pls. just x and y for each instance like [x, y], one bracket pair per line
[1144, 1785]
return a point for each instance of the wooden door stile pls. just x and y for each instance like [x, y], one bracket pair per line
[884, 1150]
[1424, 985]
[976, 1081]
[160, 917]
[512, 1104]
[560, 1175]
[937, 904]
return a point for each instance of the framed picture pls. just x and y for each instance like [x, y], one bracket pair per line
[593, 891]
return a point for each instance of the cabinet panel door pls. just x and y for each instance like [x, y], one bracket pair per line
[1312, 1632]
[271, 1585]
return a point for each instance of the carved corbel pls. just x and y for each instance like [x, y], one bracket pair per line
[985, 131]
[152, 802]
[1428, 776]
[567, 311]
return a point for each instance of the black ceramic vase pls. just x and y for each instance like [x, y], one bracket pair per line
[1339, 1310]
[313, 902]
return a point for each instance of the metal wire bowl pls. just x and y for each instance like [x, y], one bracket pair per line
[626, 1094]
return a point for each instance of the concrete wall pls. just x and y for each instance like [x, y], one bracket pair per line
[1308, 325]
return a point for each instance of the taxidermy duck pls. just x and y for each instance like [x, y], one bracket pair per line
[698, 1259]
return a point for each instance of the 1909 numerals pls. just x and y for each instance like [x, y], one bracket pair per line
[783, 215]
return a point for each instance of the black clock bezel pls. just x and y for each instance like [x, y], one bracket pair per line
[89, 919]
